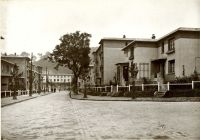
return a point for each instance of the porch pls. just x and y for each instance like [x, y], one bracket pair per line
[122, 73]
[158, 70]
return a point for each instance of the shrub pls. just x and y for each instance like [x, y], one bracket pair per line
[103, 94]
[127, 94]
[183, 93]
[118, 94]
[144, 93]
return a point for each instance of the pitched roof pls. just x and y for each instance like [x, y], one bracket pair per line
[116, 39]
[163, 37]
[140, 40]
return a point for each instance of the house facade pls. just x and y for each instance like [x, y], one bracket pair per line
[6, 69]
[106, 57]
[176, 54]
[56, 81]
[24, 67]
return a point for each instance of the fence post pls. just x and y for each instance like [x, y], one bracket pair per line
[117, 88]
[167, 86]
[129, 87]
[111, 88]
[192, 84]
[142, 87]
[158, 86]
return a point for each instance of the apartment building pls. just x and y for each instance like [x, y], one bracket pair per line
[24, 67]
[56, 81]
[106, 56]
[176, 54]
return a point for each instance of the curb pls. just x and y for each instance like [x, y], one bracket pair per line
[22, 100]
[135, 100]
[97, 99]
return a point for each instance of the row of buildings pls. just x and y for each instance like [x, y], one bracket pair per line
[24, 66]
[177, 54]
[42, 79]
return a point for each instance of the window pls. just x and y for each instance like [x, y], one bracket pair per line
[143, 70]
[162, 48]
[171, 44]
[171, 66]
[58, 80]
[54, 80]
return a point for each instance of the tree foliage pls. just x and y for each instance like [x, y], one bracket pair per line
[15, 80]
[73, 52]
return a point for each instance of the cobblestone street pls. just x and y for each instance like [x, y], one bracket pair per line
[56, 116]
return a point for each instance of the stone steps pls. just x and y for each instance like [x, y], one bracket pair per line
[159, 93]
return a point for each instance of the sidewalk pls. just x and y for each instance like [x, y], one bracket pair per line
[148, 99]
[9, 100]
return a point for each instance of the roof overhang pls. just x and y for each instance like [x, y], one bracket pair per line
[159, 60]
[122, 63]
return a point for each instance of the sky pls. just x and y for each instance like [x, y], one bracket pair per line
[36, 25]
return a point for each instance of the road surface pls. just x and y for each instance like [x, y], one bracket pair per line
[56, 116]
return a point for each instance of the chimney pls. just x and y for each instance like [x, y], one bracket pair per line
[15, 54]
[153, 36]
[124, 36]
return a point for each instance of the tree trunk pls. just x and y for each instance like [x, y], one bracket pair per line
[15, 95]
[85, 94]
[75, 85]
[30, 90]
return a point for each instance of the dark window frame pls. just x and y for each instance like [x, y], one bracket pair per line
[171, 66]
[171, 44]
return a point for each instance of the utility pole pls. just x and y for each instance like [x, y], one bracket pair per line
[31, 76]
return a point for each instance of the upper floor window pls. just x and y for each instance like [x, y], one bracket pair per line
[171, 44]
[171, 66]
[162, 48]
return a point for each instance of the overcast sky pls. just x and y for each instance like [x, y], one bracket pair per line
[36, 25]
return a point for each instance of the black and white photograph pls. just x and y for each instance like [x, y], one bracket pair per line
[100, 69]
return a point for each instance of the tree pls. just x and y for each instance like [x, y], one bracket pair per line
[73, 52]
[15, 80]
[25, 54]
[133, 71]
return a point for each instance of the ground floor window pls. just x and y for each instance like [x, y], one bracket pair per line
[143, 70]
[171, 66]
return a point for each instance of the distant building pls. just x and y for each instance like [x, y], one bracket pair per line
[106, 56]
[176, 54]
[56, 81]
